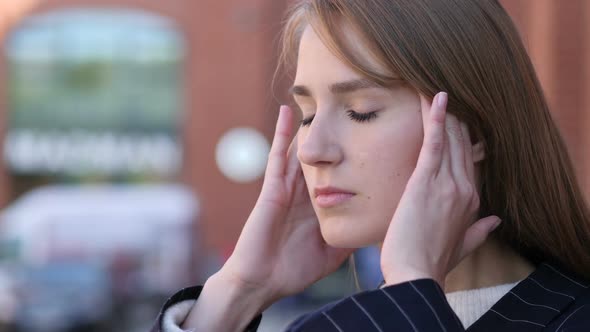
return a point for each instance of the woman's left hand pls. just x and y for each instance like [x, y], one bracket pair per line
[434, 226]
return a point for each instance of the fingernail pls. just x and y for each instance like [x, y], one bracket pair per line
[441, 99]
[282, 108]
[498, 222]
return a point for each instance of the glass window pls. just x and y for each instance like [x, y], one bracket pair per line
[94, 92]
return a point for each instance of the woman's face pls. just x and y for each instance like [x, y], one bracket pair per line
[358, 144]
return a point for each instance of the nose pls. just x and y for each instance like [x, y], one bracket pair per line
[319, 144]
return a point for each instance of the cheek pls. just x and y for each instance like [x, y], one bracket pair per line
[391, 171]
[386, 168]
[392, 158]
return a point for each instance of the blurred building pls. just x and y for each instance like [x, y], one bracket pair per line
[557, 35]
[226, 58]
[224, 55]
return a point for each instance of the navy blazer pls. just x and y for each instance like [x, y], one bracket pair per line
[549, 299]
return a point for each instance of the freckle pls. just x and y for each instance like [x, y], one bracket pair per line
[397, 174]
[368, 197]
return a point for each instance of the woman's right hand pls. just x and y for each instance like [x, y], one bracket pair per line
[281, 250]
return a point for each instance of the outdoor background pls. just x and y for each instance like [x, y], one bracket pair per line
[133, 137]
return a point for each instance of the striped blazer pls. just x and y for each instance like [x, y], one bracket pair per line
[549, 299]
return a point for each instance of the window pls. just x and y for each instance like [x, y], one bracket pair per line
[94, 92]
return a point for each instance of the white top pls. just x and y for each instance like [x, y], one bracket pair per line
[470, 305]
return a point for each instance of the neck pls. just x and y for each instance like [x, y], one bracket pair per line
[491, 264]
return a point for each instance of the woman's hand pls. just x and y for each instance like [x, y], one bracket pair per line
[434, 225]
[280, 249]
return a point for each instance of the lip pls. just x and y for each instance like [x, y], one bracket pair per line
[327, 197]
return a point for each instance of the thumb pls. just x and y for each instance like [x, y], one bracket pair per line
[477, 234]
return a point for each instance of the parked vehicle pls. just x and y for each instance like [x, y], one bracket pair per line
[63, 297]
[112, 246]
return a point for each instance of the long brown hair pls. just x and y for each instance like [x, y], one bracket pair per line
[472, 50]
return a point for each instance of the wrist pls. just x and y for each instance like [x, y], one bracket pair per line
[225, 305]
[257, 296]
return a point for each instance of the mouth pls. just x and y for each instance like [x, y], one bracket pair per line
[327, 197]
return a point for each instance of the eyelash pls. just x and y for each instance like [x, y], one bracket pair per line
[355, 116]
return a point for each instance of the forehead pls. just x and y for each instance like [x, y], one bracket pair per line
[315, 57]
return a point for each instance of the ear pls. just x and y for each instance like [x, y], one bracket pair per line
[479, 152]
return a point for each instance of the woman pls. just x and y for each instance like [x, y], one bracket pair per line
[384, 157]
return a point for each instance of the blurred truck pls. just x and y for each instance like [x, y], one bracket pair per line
[79, 246]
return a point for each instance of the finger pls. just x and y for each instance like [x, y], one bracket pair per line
[456, 147]
[469, 165]
[293, 165]
[277, 158]
[431, 154]
[477, 234]
[425, 106]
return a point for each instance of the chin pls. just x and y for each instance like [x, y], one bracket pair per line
[338, 234]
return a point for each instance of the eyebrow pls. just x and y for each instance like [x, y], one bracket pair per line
[338, 88]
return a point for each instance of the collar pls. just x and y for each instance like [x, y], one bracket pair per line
[534, 301]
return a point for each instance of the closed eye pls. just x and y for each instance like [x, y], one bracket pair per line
[358, 117]
[307, 121]
[361, 117]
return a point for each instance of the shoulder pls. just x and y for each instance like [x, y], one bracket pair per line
[575, 318]
[302, 320]
[417, 305]
[576, 315]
